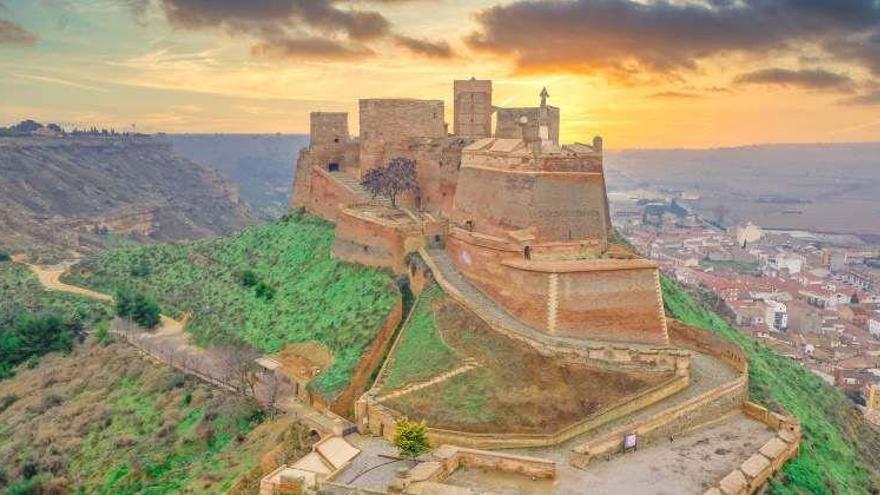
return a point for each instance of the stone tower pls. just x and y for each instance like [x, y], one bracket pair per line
[472, 115]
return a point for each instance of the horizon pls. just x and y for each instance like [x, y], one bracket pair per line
[642, 75]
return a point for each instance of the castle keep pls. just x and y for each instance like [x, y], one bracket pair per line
[519, 216]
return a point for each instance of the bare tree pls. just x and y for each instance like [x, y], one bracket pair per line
[395, 178]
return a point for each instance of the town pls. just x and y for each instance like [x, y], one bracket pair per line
[812, 297]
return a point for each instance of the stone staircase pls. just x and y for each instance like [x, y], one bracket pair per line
[363, 195]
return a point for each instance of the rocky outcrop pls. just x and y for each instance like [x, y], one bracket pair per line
[68, 193]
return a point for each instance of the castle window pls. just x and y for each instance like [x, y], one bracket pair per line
[333, 167]
[335, 140]
[527, 252]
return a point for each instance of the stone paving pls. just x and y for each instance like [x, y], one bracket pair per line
[688, 465]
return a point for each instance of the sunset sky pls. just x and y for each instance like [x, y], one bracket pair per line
[641, 74]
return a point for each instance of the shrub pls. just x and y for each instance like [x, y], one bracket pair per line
[102, 332]
[411, 438]
[248, 278]
[32, 336]
[141, 268]
[5, 256]
[264, 291]
[137, 308]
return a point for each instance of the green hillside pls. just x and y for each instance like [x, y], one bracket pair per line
[839, 454]
[34, 321]
[104, 420]
[266, 286]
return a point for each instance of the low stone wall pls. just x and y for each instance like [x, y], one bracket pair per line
[343, 404]
[709, 343]
[367, 240]
[755, 471]
[377, 419]
[687, 415]
[326, 195]
[447, 458]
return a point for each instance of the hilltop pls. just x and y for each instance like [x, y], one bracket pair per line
[82, 192]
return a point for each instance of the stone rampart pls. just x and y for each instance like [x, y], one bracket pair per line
[557, 206]
[327, 196]
[687, 415]
[378, 419]
[367, 238]
[446, 459]
[603, 300]
[707, 342]
[750, 476]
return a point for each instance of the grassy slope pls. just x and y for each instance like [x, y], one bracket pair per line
[838, 448]
[317, 298]
[103, 420]
[21, 293]
[421, 353]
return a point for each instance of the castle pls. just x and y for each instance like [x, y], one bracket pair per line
[522, 217]
[514, 229]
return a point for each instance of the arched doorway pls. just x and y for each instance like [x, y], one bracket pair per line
[333, 167]
[527, 252]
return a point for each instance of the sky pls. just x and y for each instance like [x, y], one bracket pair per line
[642, 74]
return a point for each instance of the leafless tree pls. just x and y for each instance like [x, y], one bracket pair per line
[395, 178]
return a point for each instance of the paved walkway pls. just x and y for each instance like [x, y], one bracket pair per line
[688, 465]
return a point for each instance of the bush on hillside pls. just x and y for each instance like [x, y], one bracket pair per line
[5, 256]
[31, 336]
[138, 308]
[264, 291]
[248, 278]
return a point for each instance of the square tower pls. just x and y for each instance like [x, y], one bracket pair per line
[472, 113]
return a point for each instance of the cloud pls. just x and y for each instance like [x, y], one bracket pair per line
[626, 39]
[432, 49]
[13, 34]
[817, 79]
[869, 98]
[674, 95]
[291, 29]
[312, 48]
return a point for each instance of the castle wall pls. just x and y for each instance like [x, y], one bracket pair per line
[326, 197]
[616, 300]
[472, 116]
[560, 206]
[437, 169]
[507, 123]
[384, 121]
[360, 239]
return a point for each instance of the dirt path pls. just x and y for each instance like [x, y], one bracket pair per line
[468, 365]
[50, 277]
[169, 343]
